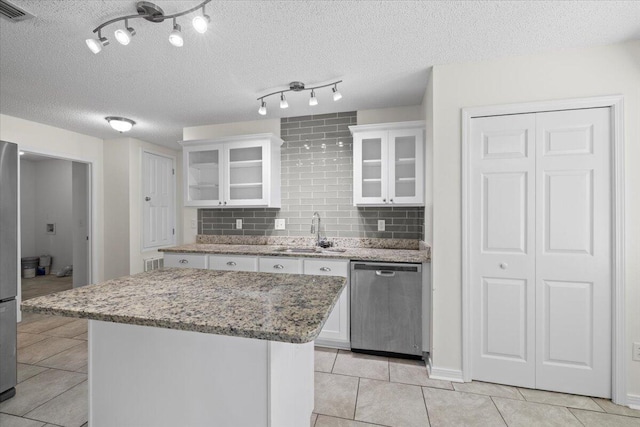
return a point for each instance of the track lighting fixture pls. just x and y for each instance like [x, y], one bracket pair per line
[175, 37]
[299, 87]
[201, 22]
[151, 13]
[95, 45]
[263, 109]
[120, 124]
[283, 101]
[124, 36]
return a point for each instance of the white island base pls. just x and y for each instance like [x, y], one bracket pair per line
[146, 376]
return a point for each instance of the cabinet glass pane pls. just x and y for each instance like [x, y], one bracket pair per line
[405, 166]
[245, 173]
[204, 177]
[372, 167]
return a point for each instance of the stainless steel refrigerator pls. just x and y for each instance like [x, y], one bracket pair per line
[8, 267]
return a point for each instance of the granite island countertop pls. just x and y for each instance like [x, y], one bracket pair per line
[277, 307]
[353, 254]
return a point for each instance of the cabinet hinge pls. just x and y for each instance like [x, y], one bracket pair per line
[174, 231]
[173, 171]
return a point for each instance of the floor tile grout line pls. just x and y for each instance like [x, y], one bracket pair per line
[498, 409]
[348, 419]
[355, 407]
[574, 416]
[44, 403]
[426, 407]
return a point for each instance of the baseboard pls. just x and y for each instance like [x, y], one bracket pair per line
[324, 342]
[453, 375]
[633, 401]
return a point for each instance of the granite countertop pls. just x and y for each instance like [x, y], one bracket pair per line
[277, 307]
[354, 254]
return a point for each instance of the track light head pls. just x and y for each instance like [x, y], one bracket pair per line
[124, 35]
[95, 45]
[283, 101]
[337, 96]
[175, 37]
[313, 100]
[263, 109]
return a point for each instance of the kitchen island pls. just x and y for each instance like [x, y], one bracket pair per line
[198, 347]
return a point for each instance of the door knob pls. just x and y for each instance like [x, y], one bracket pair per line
[147, 199]
[504, 265]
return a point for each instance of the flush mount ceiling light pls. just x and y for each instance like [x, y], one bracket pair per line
[151, 13]
[121, 124]
[299, 87]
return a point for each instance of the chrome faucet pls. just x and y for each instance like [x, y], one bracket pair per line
[316, 229]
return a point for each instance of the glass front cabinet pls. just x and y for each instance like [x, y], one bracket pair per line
[239, 171]
[388, 164]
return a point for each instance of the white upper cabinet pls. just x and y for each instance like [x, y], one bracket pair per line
[239, 171]
[388, 164]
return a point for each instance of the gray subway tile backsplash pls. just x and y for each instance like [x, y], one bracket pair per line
[317, 175]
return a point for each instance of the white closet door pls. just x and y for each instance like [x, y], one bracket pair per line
[158, 205]
[502, 252]
[573, 252]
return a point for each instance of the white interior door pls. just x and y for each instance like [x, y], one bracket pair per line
[158, 204]
[573, 252]
[503, 253]
[81, 219]
[541, 251]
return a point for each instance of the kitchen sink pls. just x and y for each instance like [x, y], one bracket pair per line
[298, 250]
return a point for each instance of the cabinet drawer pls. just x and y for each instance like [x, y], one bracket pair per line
[280, 265]
[233, 263]
[185, 260]
[326, 267]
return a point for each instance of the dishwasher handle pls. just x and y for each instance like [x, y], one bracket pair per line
[383, 273]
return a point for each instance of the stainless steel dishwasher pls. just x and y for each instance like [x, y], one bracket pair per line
[386, 301]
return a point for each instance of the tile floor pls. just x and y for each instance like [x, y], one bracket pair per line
[45, 285]
[351, 390]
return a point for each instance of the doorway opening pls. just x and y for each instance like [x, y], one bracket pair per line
[55, 224]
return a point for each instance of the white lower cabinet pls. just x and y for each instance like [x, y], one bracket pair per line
[335, 332]
[185, 260]
[233, 263]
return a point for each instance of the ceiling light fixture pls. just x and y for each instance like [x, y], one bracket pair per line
[263, 109]
[124, 36]
[299, 87]
[151, 13]
[120, 124]
[175, 38]
[201, 22]
[95, 45]
[283, 101]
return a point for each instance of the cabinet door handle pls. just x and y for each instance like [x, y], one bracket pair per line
[183, 261]
[231, 263]
[147, 199]
[225, 202]
[278, 266]
[325, 269]
[219, 203]
[390, 200]
[384, 200]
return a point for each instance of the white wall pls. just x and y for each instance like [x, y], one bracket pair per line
[569, 74]
[215, 131]
[51, 141]
[27, 208]
[390, 115]
[53, 205]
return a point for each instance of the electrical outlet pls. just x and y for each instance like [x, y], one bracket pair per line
[280, 224]
[636, 352]
[238, 224]
[194, 223]
[381, 225]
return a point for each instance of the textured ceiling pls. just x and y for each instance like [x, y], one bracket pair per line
[382, 50]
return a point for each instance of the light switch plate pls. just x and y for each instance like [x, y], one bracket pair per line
[636, 352]
[280, 224]
[238, 224]
[381, 225]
